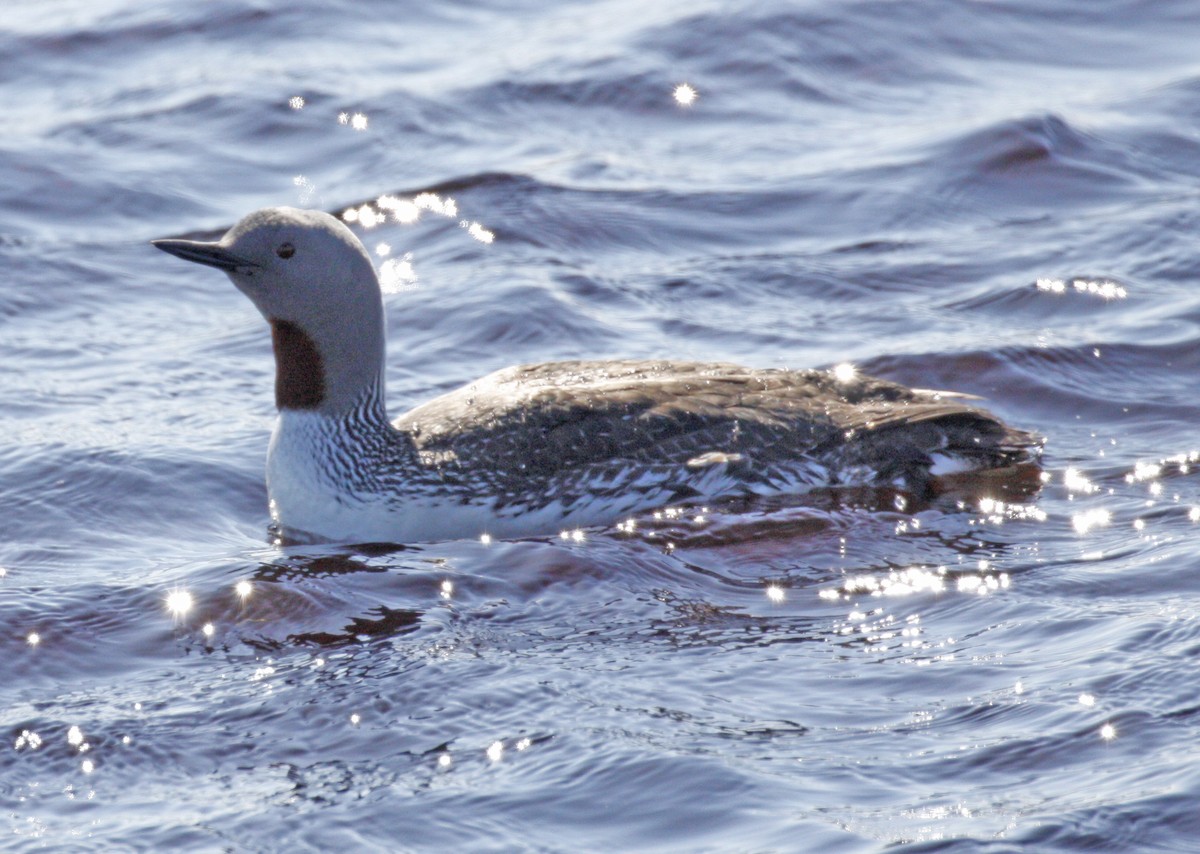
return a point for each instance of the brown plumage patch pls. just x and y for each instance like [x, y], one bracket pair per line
[299, 374]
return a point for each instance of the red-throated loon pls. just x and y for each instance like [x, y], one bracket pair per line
[534, 449]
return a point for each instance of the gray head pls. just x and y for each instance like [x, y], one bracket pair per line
[314, 282]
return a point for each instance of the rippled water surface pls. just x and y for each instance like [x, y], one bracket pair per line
[1000, 198]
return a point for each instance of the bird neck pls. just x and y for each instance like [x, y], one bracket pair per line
[299, 369]
[321, 368]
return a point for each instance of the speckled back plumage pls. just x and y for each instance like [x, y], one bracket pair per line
[771, 430]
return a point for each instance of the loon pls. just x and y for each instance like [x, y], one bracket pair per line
[533, 450]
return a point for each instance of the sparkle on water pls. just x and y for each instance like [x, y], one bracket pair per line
[262, 673]
[1087, 520]
[919, 580]
[478, 231]
[28, 739]
[1103, 289]
[1075, 481]
[685, 95]
[358, 121]
[1144, 471]
[845, 372]
[308, 190]
[179, 602]
[998, 512]
[397, 274]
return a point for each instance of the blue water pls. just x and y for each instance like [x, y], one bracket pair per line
[1000, 198]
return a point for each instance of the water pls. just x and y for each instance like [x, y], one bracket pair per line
[998, 198]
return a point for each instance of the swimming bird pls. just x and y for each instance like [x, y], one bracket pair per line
[535, 449]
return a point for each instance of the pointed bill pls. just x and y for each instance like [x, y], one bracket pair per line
[209, 254]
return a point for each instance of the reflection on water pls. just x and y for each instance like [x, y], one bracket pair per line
[1085, 521]
[179, 602]
[685, 95]
[398, 274]
[1104, 289]
[357, 121]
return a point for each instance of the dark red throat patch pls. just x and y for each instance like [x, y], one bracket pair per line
[299, 375]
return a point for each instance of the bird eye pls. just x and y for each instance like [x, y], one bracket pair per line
[285, 250]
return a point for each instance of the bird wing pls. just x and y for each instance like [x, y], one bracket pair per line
[547, 418]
